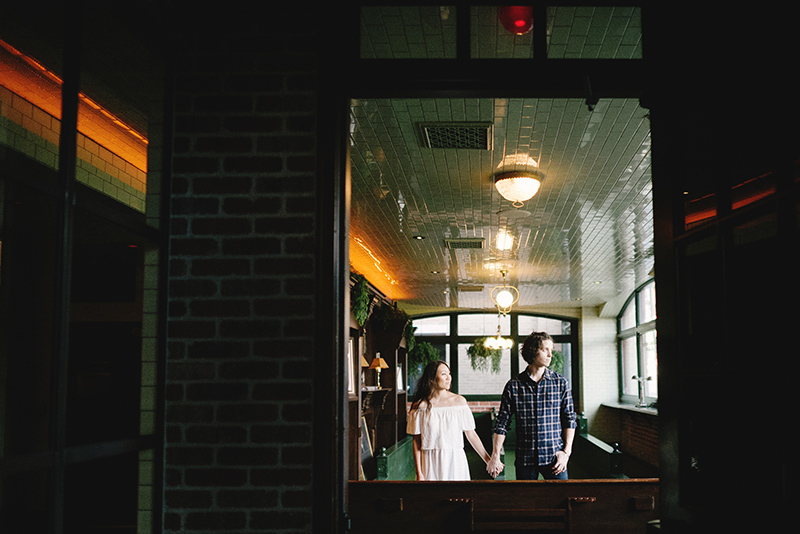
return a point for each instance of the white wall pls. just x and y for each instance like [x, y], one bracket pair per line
[600, 380]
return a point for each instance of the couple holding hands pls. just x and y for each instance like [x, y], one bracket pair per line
[539, 398]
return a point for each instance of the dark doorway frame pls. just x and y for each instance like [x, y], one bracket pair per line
[379, 78]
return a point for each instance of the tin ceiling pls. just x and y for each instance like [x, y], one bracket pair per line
[428, 228]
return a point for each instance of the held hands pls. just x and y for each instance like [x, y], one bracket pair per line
[494, 466]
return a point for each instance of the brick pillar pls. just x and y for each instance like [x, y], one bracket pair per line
[241, 303]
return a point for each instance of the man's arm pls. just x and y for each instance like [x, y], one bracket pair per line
[562, 456]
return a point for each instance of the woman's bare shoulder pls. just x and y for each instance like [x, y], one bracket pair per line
[420, 405]
[456, 400]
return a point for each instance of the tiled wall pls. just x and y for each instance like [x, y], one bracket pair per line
[30, 130]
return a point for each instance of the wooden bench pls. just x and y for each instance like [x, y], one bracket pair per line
[397, 462]
[613, 506]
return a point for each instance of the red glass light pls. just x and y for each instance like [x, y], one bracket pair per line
[516, 19]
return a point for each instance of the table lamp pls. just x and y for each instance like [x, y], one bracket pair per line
[378, 363]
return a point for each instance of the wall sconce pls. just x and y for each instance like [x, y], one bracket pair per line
[504, 296]
[518, 186]
[378, 363]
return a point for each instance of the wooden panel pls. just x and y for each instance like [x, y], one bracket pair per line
[616, 506]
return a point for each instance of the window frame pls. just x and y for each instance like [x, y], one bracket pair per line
[638, 331]
[454, 339]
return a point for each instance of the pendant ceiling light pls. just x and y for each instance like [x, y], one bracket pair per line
[518, 186]
[504, 296]
[516, 19]
[498, 342]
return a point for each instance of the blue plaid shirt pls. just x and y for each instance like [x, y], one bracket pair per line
[542, 410]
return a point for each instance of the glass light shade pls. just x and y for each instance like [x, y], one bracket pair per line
[518, 187]
[516, 19]
[498, 343]
[504, 298]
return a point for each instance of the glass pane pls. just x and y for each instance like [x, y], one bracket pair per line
[530, 323]
[650, 363]
[30, 95]
[113, 111]
[490, 39]
[25, 500]
[104, 382]
[101, 493]
[408, 32]
[630, 367]
[432, 326]
[594, 32]
[628, 317]
[479, 381]
[647, 303]
[27, 291]
[561, 363]
[483, 324]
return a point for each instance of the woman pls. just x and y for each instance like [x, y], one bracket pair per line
[436, 420]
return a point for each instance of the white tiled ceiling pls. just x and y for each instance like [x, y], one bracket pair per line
[588, 238]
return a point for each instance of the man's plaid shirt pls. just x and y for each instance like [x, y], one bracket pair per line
[542, 410]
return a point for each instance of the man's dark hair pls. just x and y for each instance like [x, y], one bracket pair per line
[533, 344]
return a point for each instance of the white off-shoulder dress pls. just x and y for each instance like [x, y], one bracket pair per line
[442, 428]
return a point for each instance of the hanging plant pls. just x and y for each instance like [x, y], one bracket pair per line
[421, 355]
[483, 358]
[360, 299]
[393, 320]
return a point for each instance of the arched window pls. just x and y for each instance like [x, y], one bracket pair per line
[453, 335]
[636, 334]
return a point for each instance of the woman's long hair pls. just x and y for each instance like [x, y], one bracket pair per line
[426, 382]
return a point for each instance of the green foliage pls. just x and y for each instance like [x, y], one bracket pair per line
[360, 299]
[422, 354]
[482, 358]
[557, 363]
[385, 317]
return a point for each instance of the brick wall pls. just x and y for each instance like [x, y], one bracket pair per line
[640, 436]
[238, 395]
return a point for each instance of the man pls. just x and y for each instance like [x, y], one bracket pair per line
[541, 401]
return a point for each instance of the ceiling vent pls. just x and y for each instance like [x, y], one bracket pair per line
[464, 242]
[470, 289]
[469, 135]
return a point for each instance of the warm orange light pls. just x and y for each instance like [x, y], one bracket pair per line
[31, 80]
[365, 262]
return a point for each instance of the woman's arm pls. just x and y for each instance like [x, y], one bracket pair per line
[477, 444]
[417, 446]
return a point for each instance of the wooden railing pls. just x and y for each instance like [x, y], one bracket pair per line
[613, 506]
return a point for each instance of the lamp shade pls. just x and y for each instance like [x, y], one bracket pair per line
[378, 363]
[517, 187]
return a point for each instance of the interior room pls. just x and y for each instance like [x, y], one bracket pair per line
[232, 236]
